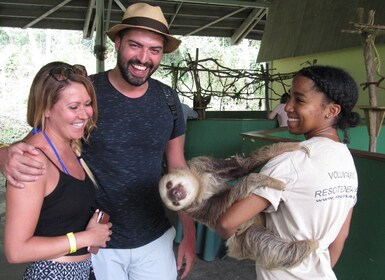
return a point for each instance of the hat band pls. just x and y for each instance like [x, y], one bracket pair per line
[147, 22]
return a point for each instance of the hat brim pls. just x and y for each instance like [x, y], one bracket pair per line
[170, 45]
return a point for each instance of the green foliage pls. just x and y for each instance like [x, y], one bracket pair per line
[4, 39]
[23, 52]
[13, 133]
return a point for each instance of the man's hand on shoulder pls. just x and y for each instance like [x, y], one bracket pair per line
[17, 167]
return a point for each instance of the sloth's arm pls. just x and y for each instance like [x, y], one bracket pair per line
[238, 166]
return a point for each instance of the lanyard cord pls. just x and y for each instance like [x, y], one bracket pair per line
[56, 153]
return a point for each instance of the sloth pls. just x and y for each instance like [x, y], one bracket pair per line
[204, 191]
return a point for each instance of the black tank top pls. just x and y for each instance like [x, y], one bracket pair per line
[68, 208]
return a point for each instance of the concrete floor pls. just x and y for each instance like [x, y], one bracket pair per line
[223, 269]
[219, 269]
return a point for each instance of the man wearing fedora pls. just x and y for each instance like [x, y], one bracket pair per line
[135, 129]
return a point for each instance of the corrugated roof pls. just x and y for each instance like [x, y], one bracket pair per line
[226, 18]
[302, 27]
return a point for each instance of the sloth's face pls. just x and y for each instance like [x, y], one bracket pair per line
[178, 189]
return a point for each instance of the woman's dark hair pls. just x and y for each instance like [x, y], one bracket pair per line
[338, 87]
[284, 98]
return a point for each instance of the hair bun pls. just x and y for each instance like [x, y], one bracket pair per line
[354, 119]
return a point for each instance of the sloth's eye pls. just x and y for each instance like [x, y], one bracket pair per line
[168, 185]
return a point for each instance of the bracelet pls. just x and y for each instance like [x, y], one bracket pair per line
[3, 145]
[72, 241]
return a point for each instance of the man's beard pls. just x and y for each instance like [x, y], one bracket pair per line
[128, 77]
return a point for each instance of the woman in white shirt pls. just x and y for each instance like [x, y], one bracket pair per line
[320, 186]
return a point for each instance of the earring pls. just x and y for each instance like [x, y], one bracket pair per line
[327, 116]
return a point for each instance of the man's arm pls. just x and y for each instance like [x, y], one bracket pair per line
[187, 248]
[336, 247]
[18, 168]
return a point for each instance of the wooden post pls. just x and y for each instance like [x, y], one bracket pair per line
[374, 114]
[370, 114]
[265, 73]
[200, 102]
[374, 117]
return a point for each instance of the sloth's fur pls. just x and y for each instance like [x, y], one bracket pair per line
[202, 191]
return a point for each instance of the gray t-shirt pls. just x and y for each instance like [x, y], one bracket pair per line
[125, 153]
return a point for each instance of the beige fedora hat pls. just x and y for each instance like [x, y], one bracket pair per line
[141, 15]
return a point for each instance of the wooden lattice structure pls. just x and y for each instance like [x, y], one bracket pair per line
[200, 82]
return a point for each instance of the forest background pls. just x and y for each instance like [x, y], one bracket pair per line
[25, 51]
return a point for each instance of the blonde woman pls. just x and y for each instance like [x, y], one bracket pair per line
[50, 222]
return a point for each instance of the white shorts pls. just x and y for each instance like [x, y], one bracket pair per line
[153, 261]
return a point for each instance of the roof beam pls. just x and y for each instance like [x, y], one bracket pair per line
[175, 14]
[214, 22]
[87, 32]
[108, 15]
[121, 6]
[255, 16]
[54, 9]
[233, 3]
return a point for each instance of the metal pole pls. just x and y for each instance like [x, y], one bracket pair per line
[100, 38]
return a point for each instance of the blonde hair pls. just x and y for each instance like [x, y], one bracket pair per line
[45, 92]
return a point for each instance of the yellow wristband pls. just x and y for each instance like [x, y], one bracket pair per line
[72, 241]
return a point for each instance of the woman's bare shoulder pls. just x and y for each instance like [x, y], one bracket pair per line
[39, 142]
